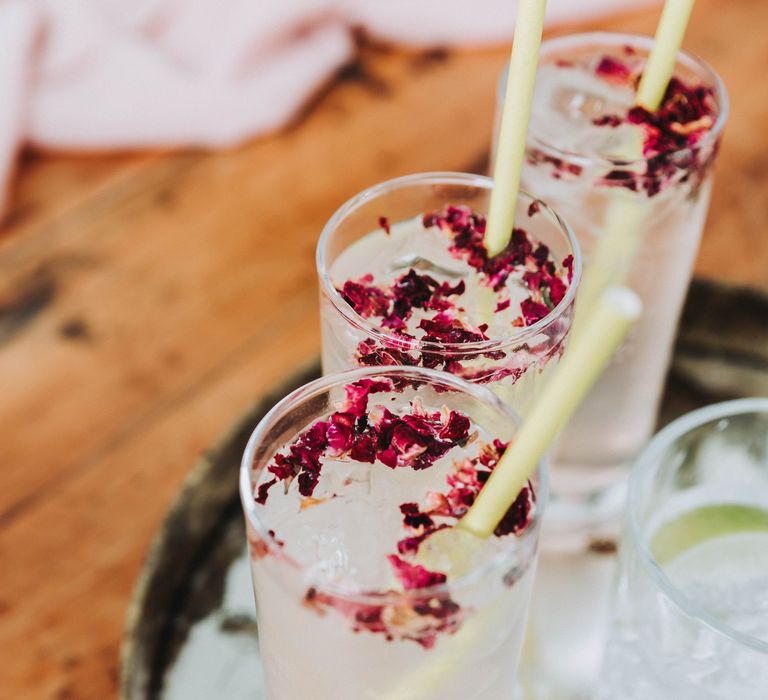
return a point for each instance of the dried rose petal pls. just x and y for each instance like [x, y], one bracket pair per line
[413, 290]
[614, 70]
[415, 576]
[568, 265]
[365, 299]
[340, 433]
[413, 517]
[364, 449]
[419, 620]
[611, 120]
[359, 391]
[518, 516]
[410, 545]
[447, 329]
[465, 483]
[257, 547]
[686, 113]
[263, 491]
[533, 311]
[456, 429]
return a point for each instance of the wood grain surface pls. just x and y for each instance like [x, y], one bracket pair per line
[146, 300]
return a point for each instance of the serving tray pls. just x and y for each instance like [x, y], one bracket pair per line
[191, 632]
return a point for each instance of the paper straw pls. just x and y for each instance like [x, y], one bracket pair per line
[514, 124]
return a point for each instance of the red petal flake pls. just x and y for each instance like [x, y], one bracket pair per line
[533, 311]
[687, 112]
[394, 305]
[416, 439]
[365, 299]
[415, 576]
[614, 70]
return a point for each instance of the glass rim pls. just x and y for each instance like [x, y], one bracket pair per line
[635, 40]
[392, 340]
[307, 391]
[645, 469]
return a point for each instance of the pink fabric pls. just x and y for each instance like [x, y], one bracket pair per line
[116, 74]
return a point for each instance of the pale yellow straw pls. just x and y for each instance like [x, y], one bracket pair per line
[455, 548]
[510, 150]
[431, 677]
[615, 312]
[661, 62]
[612, 258]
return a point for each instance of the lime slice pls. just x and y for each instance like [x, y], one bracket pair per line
[705, 523]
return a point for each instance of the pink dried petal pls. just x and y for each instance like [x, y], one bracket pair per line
[533, 311]
[410, 545]
[359, 391]
[388, 457]
[612, 69]
[568, 265]
[610, 120]
[517, 518]
[365, 299]
[340, 433]
[415, 576]
[363, 450]
[414, 518]
[456, 428]
[557, 290]
[283, 467]
[407, 443]
[263, 491]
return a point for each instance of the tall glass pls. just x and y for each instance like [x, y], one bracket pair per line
[331, 624]
[691, 614]
[513, 366]
[584, 171]
[594, 176]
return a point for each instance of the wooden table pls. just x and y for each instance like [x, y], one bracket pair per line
[146, 300]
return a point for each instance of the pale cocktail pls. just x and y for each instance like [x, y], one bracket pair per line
[341, 484]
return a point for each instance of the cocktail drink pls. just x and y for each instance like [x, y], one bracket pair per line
[405, 280]
[635, 187]
[691, 614]
[341, 484]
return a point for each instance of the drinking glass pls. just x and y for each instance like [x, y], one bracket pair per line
[691, 612]
[596, 185]
[593, 178]
[515, 366]
[325, 637]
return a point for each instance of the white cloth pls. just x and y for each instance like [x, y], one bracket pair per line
[116, 74]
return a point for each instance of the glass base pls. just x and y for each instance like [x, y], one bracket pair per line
[569, 619]
[586, 505]
[573, 591]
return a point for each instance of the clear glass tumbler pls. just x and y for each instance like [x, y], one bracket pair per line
[594, 175]
[588, 167]
[514, 366]
[331, 622]
[691, 613]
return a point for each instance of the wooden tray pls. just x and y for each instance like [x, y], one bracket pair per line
[191, 633]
